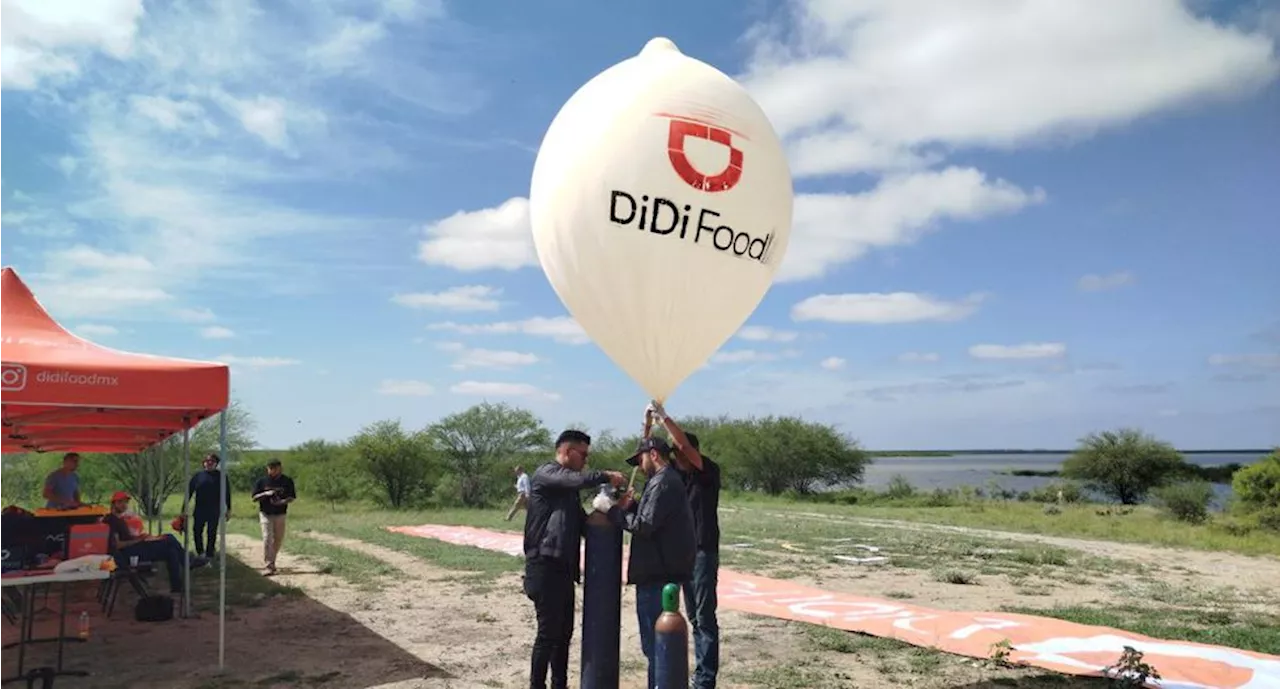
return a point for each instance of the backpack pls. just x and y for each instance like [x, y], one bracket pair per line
[154, 609]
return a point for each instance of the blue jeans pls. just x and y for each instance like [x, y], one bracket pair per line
[700, 608]
[166, 549]
[648, 608]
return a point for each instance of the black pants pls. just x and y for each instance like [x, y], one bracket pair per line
[205, 525]
[549, 584]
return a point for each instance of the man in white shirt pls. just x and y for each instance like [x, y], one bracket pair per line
[522, 493]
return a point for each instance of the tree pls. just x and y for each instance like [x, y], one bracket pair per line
[152, 476]
[327, 469]
[23, 477]
[1124, 464]
[1257, 490]
[777, 454]
[471, 443]
[401, 464]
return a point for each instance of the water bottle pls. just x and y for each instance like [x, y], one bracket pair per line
[84, 625]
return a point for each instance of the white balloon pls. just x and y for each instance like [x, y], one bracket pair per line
[661, 209]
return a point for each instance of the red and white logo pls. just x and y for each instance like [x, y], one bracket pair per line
[14, 377]
[679, 132]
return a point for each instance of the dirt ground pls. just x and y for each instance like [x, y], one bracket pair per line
[1160, 575]
[428, 627]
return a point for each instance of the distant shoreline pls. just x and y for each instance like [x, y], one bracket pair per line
[950, 453]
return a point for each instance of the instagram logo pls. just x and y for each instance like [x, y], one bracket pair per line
[14, 377]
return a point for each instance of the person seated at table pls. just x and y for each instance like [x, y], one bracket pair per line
[126, 543]
[62, 485]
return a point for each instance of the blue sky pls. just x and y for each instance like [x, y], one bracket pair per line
[1011, 227]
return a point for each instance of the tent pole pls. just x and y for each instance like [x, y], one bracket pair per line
[139, 458]
[159, 496]
[222, 538]
[186, 532]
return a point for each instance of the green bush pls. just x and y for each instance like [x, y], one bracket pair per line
[1124, 464]
[1070, 493]
[1187, 501]
[899, 488]
[1258, 486]
[776, 454]
[1257, 491]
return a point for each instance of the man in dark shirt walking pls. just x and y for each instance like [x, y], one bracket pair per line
[662, 538]
[552, 536]
[206, 487]
[273, 493]
[701, 478]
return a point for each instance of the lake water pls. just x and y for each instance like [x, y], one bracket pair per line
[927, 473]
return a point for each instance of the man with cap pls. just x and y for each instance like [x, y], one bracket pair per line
[206, 487]
[662, 539]
[553, 531]
[701, 476]
[124, 544]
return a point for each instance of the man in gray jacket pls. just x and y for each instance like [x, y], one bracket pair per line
[663, 544]
[552, 540]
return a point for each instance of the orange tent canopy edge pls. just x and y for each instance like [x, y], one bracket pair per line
[64, 393]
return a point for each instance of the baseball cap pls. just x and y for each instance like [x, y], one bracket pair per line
[646, 445]
[119, 495]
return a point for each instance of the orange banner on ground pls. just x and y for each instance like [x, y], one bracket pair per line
[1040, 641]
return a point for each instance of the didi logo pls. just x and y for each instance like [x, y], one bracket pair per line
[681, 129]
[13, 377]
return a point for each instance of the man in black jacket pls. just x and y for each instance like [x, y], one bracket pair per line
[206, 487]
[701, 476]
[552, 541]
[662, 539]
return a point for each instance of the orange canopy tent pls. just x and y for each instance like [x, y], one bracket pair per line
[61, 392]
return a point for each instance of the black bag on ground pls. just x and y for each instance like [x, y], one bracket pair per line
[154, 609]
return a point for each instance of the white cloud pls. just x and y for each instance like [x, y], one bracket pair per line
[833, 363]
[466, 298]
[764, 333]
[91, 330]
[1246, 360]
[1101, 283]
[217, 332]
[497, 238]
[831, 229]
[919, 357]
[81, 257]
[501, 390]
[741, 356]
[99, 297]
[562, 329]
[51, 39]
[194, 315]
[347, 46]
[895, 307]
[750, 356]
[264, 117]
[465, 357]
[1030, 350]
[884, 80]
[406, 388]
[172, 115]
[205, 211]
[257, 361]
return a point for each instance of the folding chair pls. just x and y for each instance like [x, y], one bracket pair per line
[135, 576]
